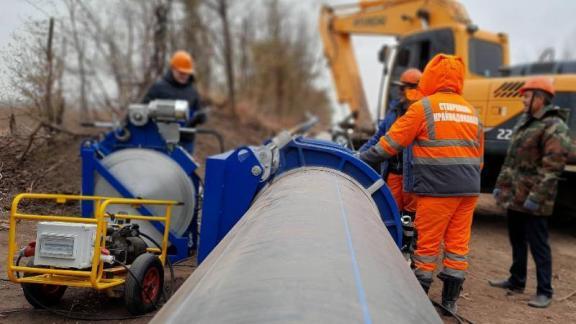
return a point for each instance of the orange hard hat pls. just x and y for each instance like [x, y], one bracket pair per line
[409, 77]
[182, 62]
[539, 83]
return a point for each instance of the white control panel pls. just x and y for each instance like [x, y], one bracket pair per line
[64, 245]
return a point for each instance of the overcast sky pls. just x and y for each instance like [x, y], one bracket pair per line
[531, 25]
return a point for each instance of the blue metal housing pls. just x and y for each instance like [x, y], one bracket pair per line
[231, 185]
[146, 137]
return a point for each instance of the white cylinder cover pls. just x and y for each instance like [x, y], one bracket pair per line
[150, 175]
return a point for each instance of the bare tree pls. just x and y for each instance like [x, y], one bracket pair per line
[80, 49]
[124, 55]
[266, 56]
[36, 72]
[222, 9]
[195, 36]
[285, 65]
[246, 38]
[161, 14]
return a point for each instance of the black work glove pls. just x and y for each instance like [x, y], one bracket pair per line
[373, 158]
[199, 118]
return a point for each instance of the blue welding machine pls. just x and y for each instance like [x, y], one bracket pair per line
[145, 158]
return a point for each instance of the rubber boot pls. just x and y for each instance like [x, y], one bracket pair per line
[450, 292]
[425, 283]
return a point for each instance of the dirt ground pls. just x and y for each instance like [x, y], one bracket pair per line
[54, 166]
[490, 257]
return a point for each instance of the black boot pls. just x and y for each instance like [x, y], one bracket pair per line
[425, 283]
[450, 292]
[407, 236]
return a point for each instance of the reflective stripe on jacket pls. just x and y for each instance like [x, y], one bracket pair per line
[445, 132]
[447, 145]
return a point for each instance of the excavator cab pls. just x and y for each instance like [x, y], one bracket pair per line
[484, 54]
[417, 50]
[412, 52]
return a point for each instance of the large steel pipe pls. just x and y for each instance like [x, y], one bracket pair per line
[311, 249]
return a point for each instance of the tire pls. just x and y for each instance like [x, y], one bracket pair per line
[144, 288]
[41, 295]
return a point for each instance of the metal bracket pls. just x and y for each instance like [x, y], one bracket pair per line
[376, 186]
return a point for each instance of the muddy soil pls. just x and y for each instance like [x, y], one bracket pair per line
[490, 257]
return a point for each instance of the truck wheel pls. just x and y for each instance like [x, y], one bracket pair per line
[41, 295]
[143, 289]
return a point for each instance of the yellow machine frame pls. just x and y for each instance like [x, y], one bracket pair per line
[93, 278]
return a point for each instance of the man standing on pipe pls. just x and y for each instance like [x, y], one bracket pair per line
[393, 168]
[447, 155]
[527, 186]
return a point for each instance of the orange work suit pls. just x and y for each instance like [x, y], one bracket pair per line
[406, 201]
[448, 219]
[447, 155]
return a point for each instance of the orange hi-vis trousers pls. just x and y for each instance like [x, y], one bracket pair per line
[447, 219]
[406, 201]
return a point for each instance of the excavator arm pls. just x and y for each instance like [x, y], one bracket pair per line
[384, 18]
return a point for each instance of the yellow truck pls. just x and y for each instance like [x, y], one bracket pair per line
[423, 28]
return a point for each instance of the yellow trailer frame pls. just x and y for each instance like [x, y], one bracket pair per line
[93, 278]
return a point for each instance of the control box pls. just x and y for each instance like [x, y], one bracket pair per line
[64, 245]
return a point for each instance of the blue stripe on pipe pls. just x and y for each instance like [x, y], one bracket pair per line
[355, 267]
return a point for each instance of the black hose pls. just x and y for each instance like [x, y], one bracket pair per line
[17, 264]
[214, 133]
[178, 263]
[78, 315]
[458, 318]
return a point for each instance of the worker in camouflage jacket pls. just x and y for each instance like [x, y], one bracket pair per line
[528, 183]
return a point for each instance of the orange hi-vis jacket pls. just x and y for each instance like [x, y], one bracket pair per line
[447, 137]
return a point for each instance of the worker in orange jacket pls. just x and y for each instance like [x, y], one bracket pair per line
[447, 148]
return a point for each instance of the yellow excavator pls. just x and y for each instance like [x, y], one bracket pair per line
[423, 28]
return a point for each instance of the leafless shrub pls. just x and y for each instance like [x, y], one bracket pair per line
[106, 54]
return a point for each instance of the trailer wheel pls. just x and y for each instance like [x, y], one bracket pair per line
[143, 289]
[41, 295]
